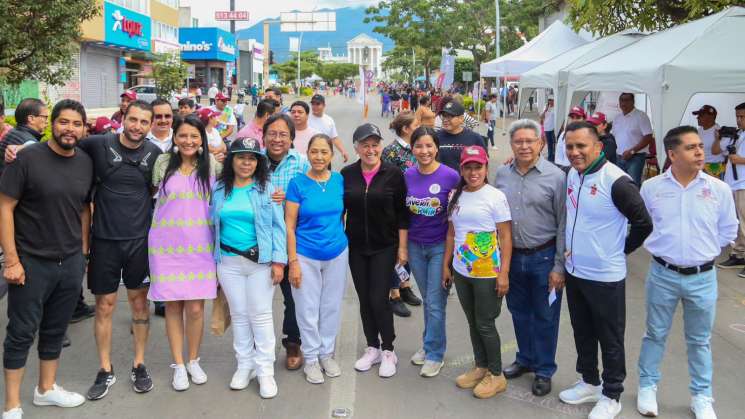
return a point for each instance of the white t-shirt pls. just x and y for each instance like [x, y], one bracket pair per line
[163, 145]
[560, 156]
[302, 139]
[476, 251]
[549, 124]
[738, 184]
[708, 136]
[629, 129]
[213, 138]
[323, 124]
[493, 110]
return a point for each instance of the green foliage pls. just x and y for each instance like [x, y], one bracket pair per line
[606, 17]
[465, 64]
[338, 71]
[285, 89]
[47, 134]
[309, 65]
[306, 91]
[169, 73]
[468, 103]
[400, 59]
[38, 38]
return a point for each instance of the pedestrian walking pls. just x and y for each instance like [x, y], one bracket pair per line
[479, 248]
[377, 219]
[318, 257]
[324, 123]
[250, 250]
[454, 137]
[212, 93]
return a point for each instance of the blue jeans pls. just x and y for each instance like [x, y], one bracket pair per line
[698, 294]
[551, 145]
[426, 264]
[633, 166]
[536, 323]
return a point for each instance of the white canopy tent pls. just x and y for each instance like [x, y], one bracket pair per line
[553, 74]
[556, 39]
[703, 56]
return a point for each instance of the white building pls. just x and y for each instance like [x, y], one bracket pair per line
[366, 51]
[325, 55]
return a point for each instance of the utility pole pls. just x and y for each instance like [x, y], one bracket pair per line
[267, 54]
[413, 66]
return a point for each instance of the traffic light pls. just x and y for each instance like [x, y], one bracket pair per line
[271, 57]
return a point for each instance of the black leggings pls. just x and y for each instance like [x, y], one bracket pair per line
[371, 274]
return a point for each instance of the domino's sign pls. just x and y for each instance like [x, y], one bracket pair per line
[212, 44]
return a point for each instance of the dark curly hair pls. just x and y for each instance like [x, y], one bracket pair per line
[203, 158]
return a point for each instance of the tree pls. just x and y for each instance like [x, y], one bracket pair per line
[338, 71]
[606, 17]
[400, 61]
[287, 71]
[38, 39]
[169, 73]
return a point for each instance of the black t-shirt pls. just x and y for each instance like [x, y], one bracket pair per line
[51, 191]
[452, 145]
[123, 200]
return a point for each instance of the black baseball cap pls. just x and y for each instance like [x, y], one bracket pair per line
[453, 108]
[318, 99]
[246, 145]
[365, 131]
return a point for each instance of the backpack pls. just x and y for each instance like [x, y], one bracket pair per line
[115, 159]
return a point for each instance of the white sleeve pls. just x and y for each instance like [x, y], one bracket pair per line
[333, 132]
[644, 125]
[500, 208]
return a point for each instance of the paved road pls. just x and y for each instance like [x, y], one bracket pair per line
[405, 395]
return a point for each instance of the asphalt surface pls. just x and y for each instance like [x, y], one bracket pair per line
[406, 395]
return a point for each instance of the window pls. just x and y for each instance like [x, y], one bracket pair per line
[165, 32]
[140, 6]
[171, 3]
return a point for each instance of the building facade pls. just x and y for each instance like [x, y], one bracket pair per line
[366, 51]
[212, 52]
[250, 63]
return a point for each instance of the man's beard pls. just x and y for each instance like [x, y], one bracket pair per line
[66, 146]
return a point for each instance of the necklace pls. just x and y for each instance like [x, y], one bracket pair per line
[322, 184]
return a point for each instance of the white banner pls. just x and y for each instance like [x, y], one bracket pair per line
[294, 44]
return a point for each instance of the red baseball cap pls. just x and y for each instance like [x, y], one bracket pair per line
[129, 94]
[220, 96]
[103, 123]
[597, 118]
[706, 110]
[579, 111]
[473, 153]
[206, 113]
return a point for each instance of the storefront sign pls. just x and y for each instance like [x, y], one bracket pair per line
[126, 28]
[207, 44]
[232, 15]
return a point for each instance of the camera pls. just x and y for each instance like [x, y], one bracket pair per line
[732, 133]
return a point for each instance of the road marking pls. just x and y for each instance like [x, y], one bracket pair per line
[738, 327]
[344, 388]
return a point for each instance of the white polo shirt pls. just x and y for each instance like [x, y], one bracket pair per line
[708, 136]
[692, 223]
[739, 184]
[629, 129]
[549, 123]
[323, 124]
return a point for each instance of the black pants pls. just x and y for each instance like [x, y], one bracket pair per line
[289, 324]
[44, 303]
[598, 314]
[482, 305]
[371, 274]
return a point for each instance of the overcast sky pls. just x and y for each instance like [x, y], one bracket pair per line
[204, 10]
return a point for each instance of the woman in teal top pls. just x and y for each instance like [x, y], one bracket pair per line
[250, 250]
[317, 252]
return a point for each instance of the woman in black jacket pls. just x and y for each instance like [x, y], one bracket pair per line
[377, 222]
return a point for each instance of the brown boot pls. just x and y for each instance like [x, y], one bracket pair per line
[490, 386]
[294, 356]
[471, 378]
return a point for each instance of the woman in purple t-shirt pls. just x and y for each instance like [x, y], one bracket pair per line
[429, 184]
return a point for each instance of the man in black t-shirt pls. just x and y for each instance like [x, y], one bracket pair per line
[44, 220]
[453, 137]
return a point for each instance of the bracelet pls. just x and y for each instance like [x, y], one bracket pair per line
[291, 261]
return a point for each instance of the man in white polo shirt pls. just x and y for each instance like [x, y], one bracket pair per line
[734, 176]
[708, 131]
[694, 217]
[601, 201]
[633, 133]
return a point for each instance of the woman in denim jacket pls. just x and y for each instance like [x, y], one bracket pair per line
[251, 253]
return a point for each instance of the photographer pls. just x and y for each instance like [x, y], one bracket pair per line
[734, 175]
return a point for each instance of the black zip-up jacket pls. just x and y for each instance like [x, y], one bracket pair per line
[374, 213]
[19, 135]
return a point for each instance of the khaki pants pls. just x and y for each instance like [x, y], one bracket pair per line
[739, 247]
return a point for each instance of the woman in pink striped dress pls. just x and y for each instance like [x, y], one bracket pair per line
[182, 269]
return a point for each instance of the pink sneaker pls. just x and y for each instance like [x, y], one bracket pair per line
[388, 364]
[370, 358]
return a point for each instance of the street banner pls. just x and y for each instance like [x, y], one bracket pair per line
[294, 44]
[362, 92]
[447, 70]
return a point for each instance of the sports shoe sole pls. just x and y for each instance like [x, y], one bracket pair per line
[430, 375]
[586, 399]
[739, 266]
[152, 386]
[366, 369]
[646, 413]
[113, 380]
[308, 379]
[38, 403]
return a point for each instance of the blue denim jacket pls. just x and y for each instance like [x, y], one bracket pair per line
[269, 221]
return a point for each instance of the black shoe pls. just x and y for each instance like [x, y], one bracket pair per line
[160, 309]
[66, 342]
[83, 312]
[515, 370]
[741, 274]
[408, 297]
[732, 263]
[541, 386]
[100, 387]
[141, 381]
[399, 308]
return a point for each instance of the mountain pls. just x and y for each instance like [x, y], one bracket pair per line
[349, 23]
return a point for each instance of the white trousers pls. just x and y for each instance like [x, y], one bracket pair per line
[249, 291]
[318, 304]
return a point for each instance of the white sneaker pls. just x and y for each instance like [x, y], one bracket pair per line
[180, 377]
[581, 392]
[241, 378]
[418, 357]
[313, 373]
[605, 408]
[267, 387]
[371, 357]
[330, 367]
[388, 364]
[431, 368]
[198, 376]
[57, 396]
[14, 413]
[646, 401]
[701, 406]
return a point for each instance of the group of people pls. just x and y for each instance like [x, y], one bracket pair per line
[266, 209]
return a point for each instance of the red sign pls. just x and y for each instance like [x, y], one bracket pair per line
[131, 28]
[232, 15]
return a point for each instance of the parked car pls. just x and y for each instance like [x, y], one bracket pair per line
[147, 93]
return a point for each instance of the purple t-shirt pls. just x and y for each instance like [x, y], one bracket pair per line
[427, 201]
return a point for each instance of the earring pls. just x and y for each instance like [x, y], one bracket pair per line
[175, 149]
[200, 151]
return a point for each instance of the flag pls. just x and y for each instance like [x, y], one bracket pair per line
[447, 70]
[362, 92]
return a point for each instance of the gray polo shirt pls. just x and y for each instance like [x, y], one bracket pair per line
[538, 206]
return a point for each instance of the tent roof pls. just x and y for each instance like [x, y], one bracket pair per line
[556, 39]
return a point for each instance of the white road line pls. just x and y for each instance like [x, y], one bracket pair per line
[344, 388]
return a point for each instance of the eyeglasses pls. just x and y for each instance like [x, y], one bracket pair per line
[521, 143]
[271, 135]
[163, 116]
[42, 116]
